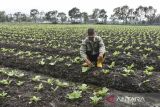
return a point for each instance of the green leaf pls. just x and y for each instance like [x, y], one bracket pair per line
[74, 95]
[95, 99]
[85, 69]
[83, 87]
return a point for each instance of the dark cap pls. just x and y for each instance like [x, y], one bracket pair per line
[91, 31]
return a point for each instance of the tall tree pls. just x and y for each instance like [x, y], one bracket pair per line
[140, 13]
[9, 17]
[124, 13]
[150, 14]
[95, 14]
[42, 15]
[131, 15]
[34, 13]
[103, 16]
[85, 17]
[52, 16]
[18, 16]
[2, 16]
[62, 16]
[74, 13]
[23, 17]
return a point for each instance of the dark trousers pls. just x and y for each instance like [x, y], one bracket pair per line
[92, 58]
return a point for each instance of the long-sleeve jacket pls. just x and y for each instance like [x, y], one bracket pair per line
[94, 47]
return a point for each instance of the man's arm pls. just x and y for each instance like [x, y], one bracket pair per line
[83, 50]
[83, 53]
[102, 49]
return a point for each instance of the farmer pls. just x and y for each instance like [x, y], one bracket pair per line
[92, 49]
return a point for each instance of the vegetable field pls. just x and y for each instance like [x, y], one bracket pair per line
[132, 62]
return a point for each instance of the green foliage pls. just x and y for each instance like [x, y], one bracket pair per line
[116, 53]
[149, 70]
[106, 71]
[101, 92]
[19, 83]
[3, 94]
[112, 64]
[74, 95]
[95, 99]
[5, 81]
[62, 84]
[85, 69]
[83, 87]
[50, 81]
[42, 61]
[39, 87]
[34, 99]
[36, 78]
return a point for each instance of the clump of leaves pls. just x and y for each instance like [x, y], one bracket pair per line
[83, 87]
[106, 71]
[42, 62]
[112, 65]
[5, 81]
[34, 99]
[3, 94]
[116, 53]
[85, 69]
[95, 99]
[50, 81]
[77, 60]
[62, 84]
[74, 95]
[36, 78]
[128, 70]
[39, 87]
[68, 64]
[148, 70]
[53, 63]
[101, 92]
[19, 83]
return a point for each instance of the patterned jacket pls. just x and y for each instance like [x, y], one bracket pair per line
[94, 47]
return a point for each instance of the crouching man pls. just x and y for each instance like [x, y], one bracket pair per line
[92, 49]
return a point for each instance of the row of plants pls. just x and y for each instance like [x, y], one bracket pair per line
[76, 91]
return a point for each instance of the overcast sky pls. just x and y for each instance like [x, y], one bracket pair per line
[11, 6]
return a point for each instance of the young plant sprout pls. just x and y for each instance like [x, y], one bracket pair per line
[83, 87]
[50, 81]
[5, 81]
[74, 95]
[36, 78]
[116, 53]
[42, 62]
[101, 92]
[62, 84]
[106, 71]
[95, 99]
[34, 99]
[3, 94]
[112, 65]
[149, 70]
[39, 87]
[19, 83]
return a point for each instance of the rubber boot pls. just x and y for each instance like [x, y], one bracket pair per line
[100, 62]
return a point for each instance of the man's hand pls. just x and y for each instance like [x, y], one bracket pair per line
[88, 62]
[100, 56]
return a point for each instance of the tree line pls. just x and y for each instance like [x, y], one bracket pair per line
[123, 15]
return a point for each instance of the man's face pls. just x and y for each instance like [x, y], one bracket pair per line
[91, 37]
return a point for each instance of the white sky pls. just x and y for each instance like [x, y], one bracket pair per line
[11, 6]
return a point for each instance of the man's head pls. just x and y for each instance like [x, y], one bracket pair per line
[91, 34]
